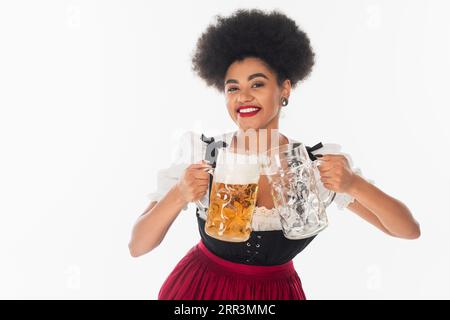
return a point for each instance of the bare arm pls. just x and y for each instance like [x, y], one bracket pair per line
[367, 215]
[152, 226]
[382, 210]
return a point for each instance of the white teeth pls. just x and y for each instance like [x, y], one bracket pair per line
[247, 110]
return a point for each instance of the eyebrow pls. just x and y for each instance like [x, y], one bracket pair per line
[250, 77]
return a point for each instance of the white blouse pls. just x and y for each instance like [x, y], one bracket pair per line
[191, 149]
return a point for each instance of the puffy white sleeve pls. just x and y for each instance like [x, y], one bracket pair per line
[342, 200]
[188, 150]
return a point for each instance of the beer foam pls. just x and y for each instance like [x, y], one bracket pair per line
[240, 173]
[237, 168]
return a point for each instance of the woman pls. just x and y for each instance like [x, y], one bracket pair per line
[255, 59]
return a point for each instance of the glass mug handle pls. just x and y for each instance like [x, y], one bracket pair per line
[199, 203]
[330, 194]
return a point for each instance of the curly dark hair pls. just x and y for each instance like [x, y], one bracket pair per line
[273, 37]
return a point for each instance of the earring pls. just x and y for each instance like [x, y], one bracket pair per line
[284, 102]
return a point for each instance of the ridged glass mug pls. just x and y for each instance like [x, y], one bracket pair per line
[233, 194]
[291, 174]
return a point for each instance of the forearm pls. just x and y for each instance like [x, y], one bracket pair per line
[152, 226]
[367, 215]
[392, 213]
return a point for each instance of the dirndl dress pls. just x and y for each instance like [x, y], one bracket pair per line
[261, 268]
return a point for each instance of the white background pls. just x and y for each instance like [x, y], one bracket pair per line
[91, 92]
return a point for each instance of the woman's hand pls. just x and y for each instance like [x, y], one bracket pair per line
[335, 173]
[194, 182]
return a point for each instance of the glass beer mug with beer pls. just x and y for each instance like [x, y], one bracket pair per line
[233, 196]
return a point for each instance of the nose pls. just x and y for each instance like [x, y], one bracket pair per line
[244, 96]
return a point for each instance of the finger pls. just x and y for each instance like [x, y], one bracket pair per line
[328, 186]
[200, 168]
[201, 181]
[205, 170]
[200, 164]
[326, 167]
[328, 182]
[201, 175]
[327, 171]
[203, 185]
[329, 156]
[324, 181]
[323, 157]
[323, 163]
[326, 177]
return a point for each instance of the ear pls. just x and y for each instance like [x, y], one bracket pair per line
[286, 88]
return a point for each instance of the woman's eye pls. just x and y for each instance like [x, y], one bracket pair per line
[258, 84]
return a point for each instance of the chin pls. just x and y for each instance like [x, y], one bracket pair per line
[250, 127]
[255, 125]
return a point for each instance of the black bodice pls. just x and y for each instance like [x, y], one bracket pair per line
[263, 248]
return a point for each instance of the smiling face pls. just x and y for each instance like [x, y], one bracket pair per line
[253, 96]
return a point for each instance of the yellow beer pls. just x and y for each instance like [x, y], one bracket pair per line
[232, 202]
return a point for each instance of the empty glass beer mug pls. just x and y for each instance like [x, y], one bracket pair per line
[294, 190]
[233, 196]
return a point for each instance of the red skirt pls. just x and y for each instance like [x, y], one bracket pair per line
[201, 275]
